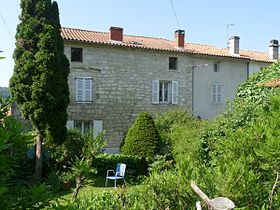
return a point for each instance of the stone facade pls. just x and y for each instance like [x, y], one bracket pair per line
[122, 85]
[118, 76]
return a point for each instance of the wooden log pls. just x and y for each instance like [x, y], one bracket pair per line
[219, 203]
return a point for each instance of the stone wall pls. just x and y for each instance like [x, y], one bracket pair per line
[122, 85]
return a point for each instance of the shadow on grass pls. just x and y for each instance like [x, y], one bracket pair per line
[92, 187]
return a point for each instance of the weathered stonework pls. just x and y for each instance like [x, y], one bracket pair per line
[122, 85]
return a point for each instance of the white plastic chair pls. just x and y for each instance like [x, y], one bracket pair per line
[119, 174]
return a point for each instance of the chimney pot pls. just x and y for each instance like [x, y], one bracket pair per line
[180, 39]
[116, 34]
[273, 49]
[234, 45]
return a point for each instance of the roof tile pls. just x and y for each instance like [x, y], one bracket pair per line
[70, 34]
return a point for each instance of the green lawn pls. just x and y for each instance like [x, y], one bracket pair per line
[92, 187]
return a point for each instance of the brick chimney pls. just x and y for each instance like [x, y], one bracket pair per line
[116, 34]
[180, 39]
[234, 45]
[273, 50]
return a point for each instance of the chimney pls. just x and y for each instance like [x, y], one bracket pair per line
[116, 34]
[234, 45]
[180, 39]
[273, 49]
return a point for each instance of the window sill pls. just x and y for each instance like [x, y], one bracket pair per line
[83, 102]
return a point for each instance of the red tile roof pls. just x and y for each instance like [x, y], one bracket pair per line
[70, 34]
[274, 83]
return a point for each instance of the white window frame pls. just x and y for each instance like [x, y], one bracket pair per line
[83, 89]
[216, 92]
[83, 122]
[160, 86]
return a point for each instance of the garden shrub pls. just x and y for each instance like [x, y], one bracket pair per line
[164, 122]
[135, 165]
[240, 149]
[63, 156]
[142, 138]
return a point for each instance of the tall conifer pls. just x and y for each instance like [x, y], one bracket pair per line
[39, 82]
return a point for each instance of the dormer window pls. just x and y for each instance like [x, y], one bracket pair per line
[173, 63]
[76, 54]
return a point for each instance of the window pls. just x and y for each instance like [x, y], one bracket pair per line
[165, 92]
[83, 126]
[83, 89]
[216, 93]
[173, 63]
[216, 67]
[77, 54]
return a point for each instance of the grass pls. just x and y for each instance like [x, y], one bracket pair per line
[92, 187]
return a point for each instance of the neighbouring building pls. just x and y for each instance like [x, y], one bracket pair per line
[114, 77]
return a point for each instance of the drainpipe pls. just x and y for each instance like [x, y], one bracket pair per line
[248, 70]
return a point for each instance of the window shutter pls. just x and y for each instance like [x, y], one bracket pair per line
[79, 89]
[219, 89]
[70, 124]
[88, 89]
[175, 92]
[214, 93]
[98, 127]
[155, 92]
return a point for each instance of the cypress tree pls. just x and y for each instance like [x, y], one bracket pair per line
[39, 82]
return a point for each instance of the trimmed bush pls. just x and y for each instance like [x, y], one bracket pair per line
[135, 165]
[142, 138]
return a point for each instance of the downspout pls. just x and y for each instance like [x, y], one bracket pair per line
[248, 70]
[193, 89]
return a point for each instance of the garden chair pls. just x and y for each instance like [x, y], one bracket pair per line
[219, 203]
[119, 174]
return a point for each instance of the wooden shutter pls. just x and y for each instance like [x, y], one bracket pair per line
[88, 89]
[79, 89]
[175, 92]
[70, 124]
[155, 92]
[219, 89]
[214, 93]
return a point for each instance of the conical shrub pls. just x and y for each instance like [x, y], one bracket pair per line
[142, 138]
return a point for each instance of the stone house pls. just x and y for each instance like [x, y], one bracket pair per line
[114, 77]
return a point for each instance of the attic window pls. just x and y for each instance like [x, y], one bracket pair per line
[76, 54]
[173, 63]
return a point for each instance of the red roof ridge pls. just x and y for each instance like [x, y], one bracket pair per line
[85, 30]
[127, 35]
[253, 51]
[205, 45]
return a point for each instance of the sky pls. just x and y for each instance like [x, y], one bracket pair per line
[204, 21]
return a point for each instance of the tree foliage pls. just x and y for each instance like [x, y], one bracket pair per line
[39, 83]
[11, 139]
[240, 150]
[142, 138]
